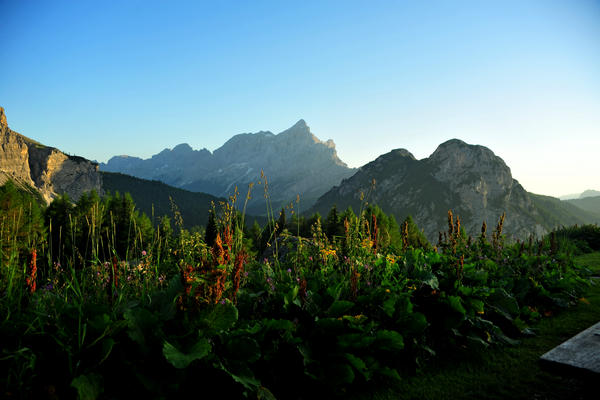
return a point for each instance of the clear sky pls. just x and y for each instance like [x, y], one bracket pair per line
[102, 78]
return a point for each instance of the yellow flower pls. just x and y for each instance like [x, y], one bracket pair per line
[387, 290]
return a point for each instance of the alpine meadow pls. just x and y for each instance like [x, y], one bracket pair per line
[415, 241]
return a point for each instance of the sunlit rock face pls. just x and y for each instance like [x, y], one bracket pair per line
[295, 162]
[45, 168]
[469, 180]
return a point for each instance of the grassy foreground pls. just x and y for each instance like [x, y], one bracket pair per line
[511, 372]
[99, 302]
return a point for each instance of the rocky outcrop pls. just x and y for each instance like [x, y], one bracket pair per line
[470, 180]
[294, 161]
[49, 170]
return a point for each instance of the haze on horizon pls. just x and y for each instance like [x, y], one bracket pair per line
[98, 79]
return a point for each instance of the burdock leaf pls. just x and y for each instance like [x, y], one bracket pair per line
[89, 387]
[181, 360]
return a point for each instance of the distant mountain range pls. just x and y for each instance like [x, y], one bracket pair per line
[587, 193]
[294, 161]
[468, 179]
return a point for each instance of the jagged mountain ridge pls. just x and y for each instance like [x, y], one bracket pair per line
[468, 179]
[47, 169]
[294, 161]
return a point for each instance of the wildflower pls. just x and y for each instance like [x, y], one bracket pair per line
[223, 301]
[114, 272]
[143, 253]
[289, 270]
[387, 290]
[302, 290]
[240, 260]
[217, 251]
[31, 278]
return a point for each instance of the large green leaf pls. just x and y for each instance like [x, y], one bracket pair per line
[389, 306]
[244, 376]
[264, 394]
[89, 387]
[504, 303]
[244, 349]
[359, 365]
[414, 323]
[221, 317]
[390, 340]
[331, 325]
[355, 341]
[139, 323]
[180, 359]
[339, 308]
[339, 373]
[455, 303]
[428, 278]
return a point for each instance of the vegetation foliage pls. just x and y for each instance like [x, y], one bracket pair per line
[98, 300]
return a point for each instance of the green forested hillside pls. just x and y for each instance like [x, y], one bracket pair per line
[589, 204]
[555, 212]
[153, 198]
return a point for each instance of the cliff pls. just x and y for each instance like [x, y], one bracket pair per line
[47, 169]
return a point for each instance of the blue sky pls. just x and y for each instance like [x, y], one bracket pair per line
[134, 77]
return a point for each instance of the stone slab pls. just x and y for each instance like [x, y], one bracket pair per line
[581, 353]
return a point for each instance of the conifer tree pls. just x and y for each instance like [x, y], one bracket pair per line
[211, 229]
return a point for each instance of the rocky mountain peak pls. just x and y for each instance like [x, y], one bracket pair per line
[182, 148]
[299, 131]
[301, 124]
[468, 179]
[454, 157]
[291, 159]
[3, 122]
[403, 153]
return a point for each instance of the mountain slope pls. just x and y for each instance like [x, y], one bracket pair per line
[470, 180]
[50, 171]
[589, 193]
[555, 212]
[589, 204]
[290, 160]
[154, 198]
